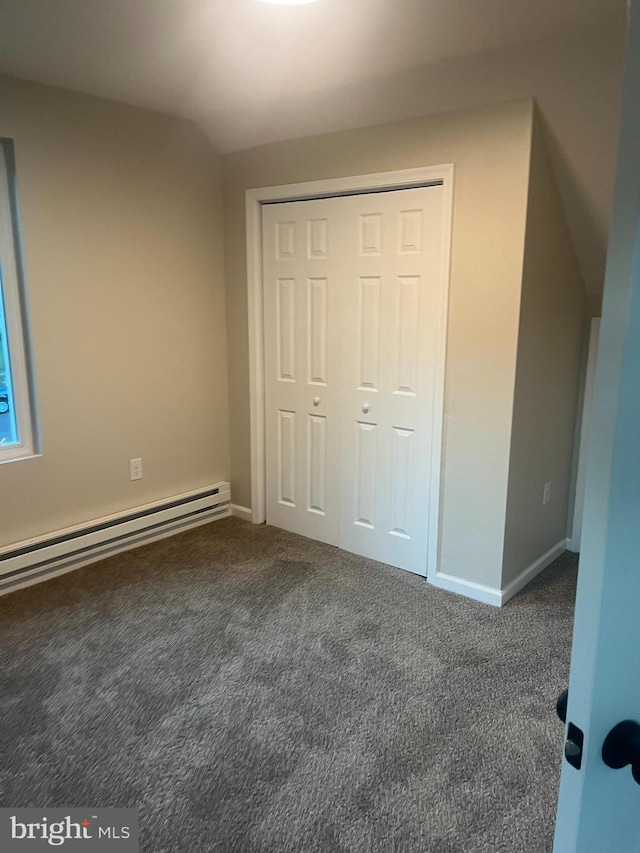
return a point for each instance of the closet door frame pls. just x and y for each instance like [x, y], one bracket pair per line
[379, 182]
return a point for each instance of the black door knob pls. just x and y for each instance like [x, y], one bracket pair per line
[561, 705]
[622, 747]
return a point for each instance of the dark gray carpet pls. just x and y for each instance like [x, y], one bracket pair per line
[250, 690]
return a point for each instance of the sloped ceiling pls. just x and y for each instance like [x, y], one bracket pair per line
[251, 73]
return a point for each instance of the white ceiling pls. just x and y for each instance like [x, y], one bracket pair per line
[251, 73]
[228, 63]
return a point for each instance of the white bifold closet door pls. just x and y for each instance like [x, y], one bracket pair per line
[353, 290]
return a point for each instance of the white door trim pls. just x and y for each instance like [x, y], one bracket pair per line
[379, 181]
[573, 543]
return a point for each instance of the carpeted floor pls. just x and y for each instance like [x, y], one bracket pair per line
[250, 690]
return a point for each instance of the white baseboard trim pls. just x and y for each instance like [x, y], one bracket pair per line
[497, 597]
[470, 589]
[32, 561]
[534, 569]
[241, 512]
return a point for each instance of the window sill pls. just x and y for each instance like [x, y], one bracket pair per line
[19, 454]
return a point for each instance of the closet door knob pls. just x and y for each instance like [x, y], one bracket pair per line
[365, 408]
[316, 401]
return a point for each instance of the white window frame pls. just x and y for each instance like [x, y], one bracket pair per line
[21, 382]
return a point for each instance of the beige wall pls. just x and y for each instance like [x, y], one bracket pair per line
[575, 79]
[490, 150]
[552, 323]
[121, 223]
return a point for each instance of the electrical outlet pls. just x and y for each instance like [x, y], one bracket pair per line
[135, 469]
[546, 493]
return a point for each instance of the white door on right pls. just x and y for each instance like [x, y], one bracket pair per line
[599, 802]
[354, 292]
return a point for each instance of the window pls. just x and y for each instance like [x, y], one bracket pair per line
[17, 423]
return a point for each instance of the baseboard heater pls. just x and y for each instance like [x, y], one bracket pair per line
[35, 560]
